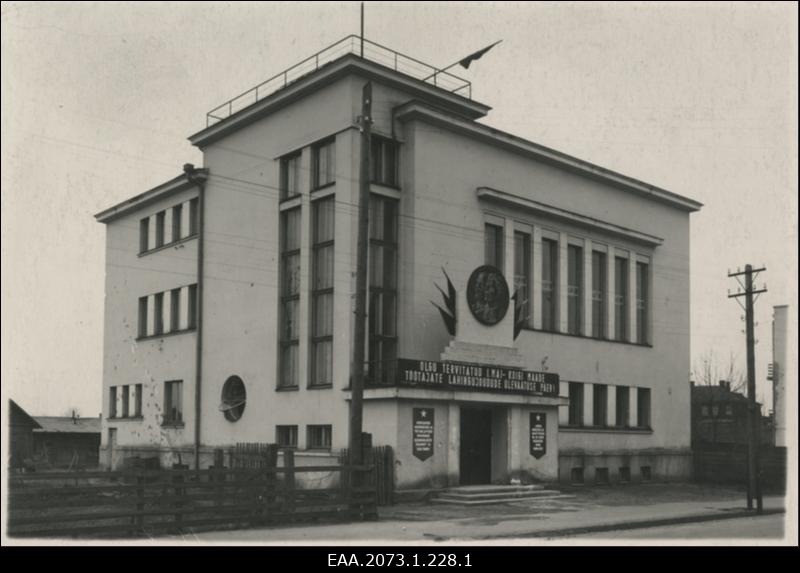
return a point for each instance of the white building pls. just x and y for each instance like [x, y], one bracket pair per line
[229, 292]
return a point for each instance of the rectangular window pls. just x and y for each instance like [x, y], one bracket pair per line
[175, 310]
[137, 401]
[289, 333]
[643, 407]
[160, 218]
[494, 246]
[641, 303]
[598, 294]
[177, 213]
[549, 284]
[112, 402]
[600, 405]
[158, 313]
[623, 406]
[286, 436]
[173, 402]
[384, 154]
[323, 164]
[144, 234]
[382, 310]
[194, 216]
[621, 298]
[322, 291]
[574, 289]
[575, 404]
[142, 316]
[318, 437]
[192, 307]
[290, 175]
[126, 396]
[522, 275]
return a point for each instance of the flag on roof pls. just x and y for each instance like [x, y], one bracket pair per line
[477, 55]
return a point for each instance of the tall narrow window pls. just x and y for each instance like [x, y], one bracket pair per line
[623, 406]
[126, 397]
[522, 274]
[142, 316]
[289, 333]
[322, 292]
[192, 307]
[384, 154]
[173, 402]
[290, 175]
[641, 303]
[382, 358]
[494, 252]
[137, 401]
[643, 407]
[112, 402]
[600, 404]
[549, 284]
[194, 216]
[158, 313]
[599, 294]
[323, 164]
[174, 309]
[144, 234]
[574, 289]
[177, 214]
[575, 404]
[621, 298]
[160, 218]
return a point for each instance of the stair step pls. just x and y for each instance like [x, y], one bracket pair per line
[476, 489]
[510, 495]
[555, 495]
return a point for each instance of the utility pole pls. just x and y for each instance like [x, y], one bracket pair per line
[753, 421]
[359, 340]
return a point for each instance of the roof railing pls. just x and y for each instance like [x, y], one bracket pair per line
[348, 45]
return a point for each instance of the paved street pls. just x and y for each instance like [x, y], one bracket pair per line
[766, 527]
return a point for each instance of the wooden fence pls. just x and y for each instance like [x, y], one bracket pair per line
[728, 464]
[144, 502]
[382, 479]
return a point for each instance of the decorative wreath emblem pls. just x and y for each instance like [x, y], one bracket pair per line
[487, 295]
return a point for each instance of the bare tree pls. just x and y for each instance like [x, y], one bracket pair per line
[709, 371]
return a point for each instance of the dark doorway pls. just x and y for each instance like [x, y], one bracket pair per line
[476, 446]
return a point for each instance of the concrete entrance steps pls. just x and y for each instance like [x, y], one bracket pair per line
[489, 494]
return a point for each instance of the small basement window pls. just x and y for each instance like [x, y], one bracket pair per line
[625, 474]
[234, 398]
[646, 473]
[576, 475]
[601, 476]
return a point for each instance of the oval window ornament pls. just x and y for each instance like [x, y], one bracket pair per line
[234, 398]
[487, 295]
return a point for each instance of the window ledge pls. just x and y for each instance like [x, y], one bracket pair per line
[125, 419]
[287, 388]
[583, 336]
[323, 186]
[320, 387]
[167, 245]
[320, 450]
[174, 425]
[165, 334]
[604, 430]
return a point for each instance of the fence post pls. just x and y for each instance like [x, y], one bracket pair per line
[140, 500]
[218, 475]
[180, 491]
[288, 465]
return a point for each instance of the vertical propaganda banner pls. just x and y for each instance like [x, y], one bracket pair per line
[538, 434]
[422, 431]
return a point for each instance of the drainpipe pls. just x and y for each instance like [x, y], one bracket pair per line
[200, 180]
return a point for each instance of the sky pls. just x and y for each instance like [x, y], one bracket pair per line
[98, 100]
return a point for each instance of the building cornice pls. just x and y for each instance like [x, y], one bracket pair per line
[551, 212]
[346, 65]
[418, 110]
[180, 183]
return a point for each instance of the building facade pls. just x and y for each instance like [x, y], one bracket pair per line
[229, 294]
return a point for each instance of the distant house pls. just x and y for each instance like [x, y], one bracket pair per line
[63, 441]
[719, 416]
[21, 426]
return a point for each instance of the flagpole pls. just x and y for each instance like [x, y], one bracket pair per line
[458, 62]
[362, 29]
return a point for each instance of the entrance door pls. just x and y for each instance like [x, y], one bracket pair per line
[476, 446]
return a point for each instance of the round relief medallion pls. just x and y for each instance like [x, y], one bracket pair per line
[487, 295]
